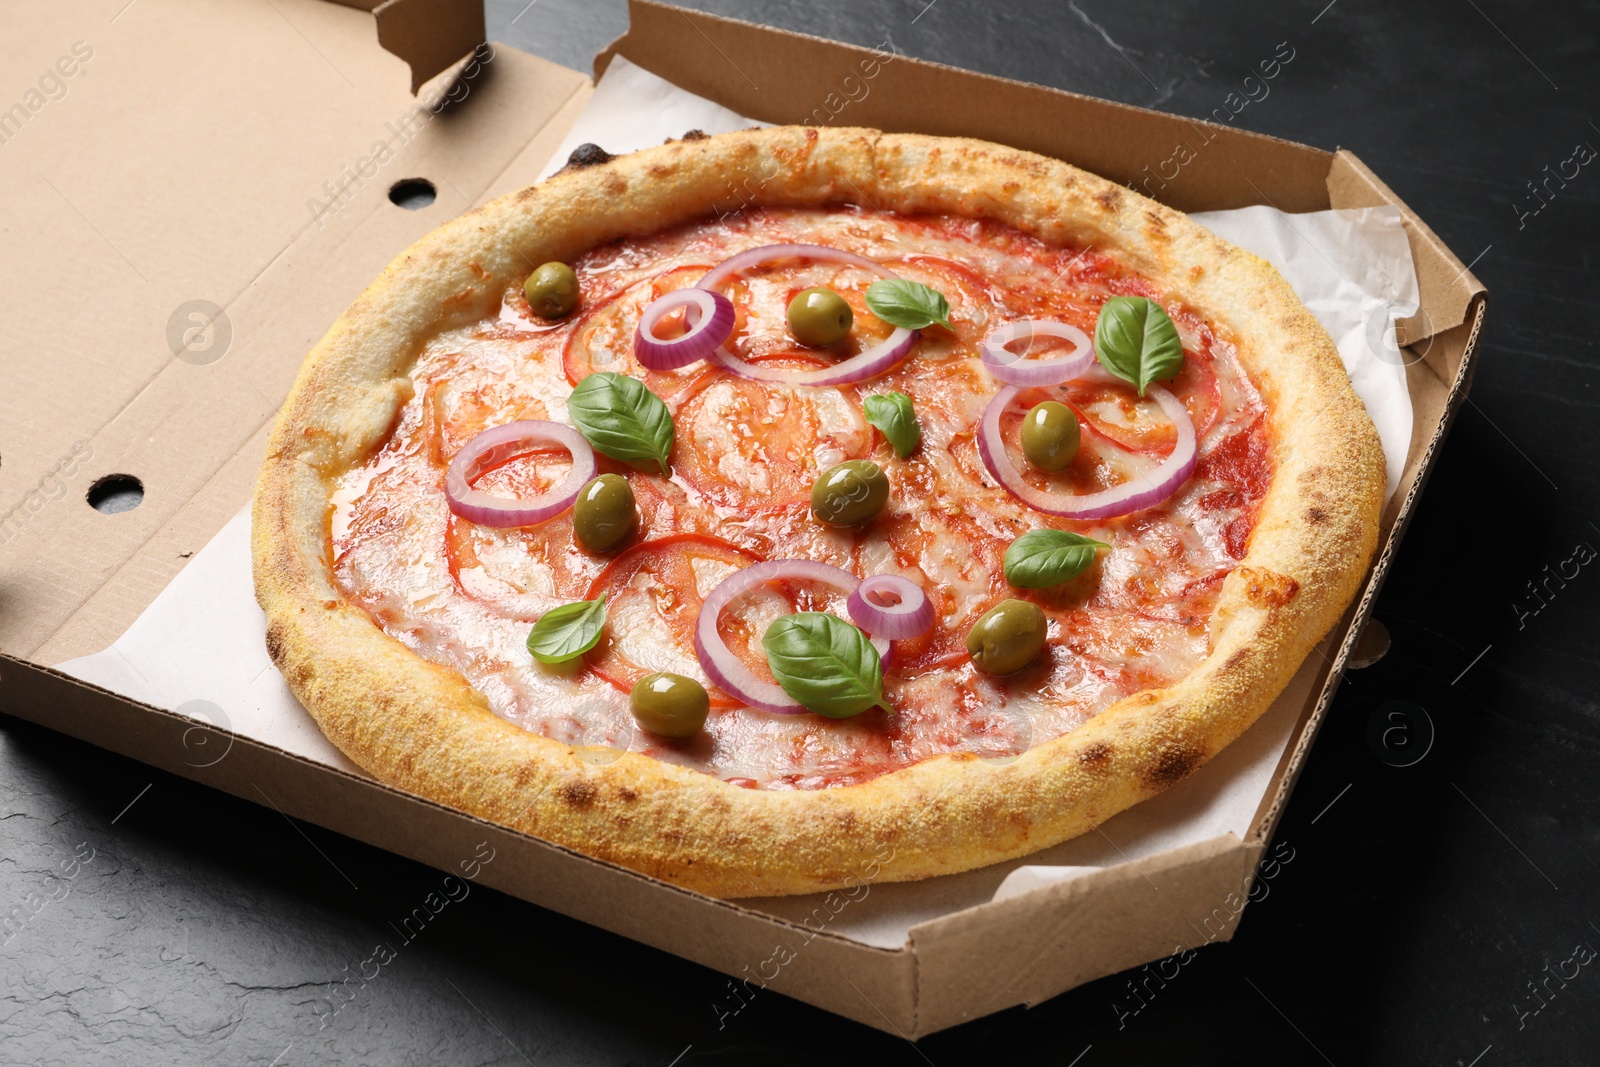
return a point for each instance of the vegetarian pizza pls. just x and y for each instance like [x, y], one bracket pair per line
[751, 507]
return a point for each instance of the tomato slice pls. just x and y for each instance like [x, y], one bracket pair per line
[1100, 464]
[1116, 412]
[761, 308]
[603, 338]
[759, 446]
[958, 565]
[456, 414]
[972, 302]
[654, 592]
[522, 572]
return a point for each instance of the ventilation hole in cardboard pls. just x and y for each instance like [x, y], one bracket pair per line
[116, 493]
[413, 194]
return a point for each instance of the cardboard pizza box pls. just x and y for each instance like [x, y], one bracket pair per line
[192, 193]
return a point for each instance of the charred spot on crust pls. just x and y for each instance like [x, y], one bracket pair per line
[627, 794]
[577, 793]
[587, 155]
[1096, 755]
[1317, 516]
[694, 135]
[275, 647]
[1173, 765]
[1267, 589]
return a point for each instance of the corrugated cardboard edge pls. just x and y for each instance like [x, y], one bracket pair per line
[1078, 930]
[1448, 288]
[1463, 340]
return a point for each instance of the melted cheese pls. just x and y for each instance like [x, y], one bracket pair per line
[464, 596]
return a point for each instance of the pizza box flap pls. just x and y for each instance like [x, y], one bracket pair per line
[272, 207]
[241, 220]
[430, 35]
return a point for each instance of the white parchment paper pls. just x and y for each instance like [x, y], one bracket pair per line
[200, 650]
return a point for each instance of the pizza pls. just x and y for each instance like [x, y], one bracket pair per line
[756, 509]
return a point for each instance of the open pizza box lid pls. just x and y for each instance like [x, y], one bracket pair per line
[230, 165]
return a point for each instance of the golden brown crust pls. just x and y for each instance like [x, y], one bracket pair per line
[421, 727]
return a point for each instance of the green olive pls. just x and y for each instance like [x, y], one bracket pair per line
[1007, 637]
[1050, 435]
[670, 705]
[604, 516]
[552, 290]
[819, 317]
[850, 493]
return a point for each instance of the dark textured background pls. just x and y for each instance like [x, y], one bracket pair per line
[1417, 908]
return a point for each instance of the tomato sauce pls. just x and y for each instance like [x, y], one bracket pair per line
[743, 462]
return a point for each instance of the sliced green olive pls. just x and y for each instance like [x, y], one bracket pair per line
[670, 705]
[1050, 435]
[1007, 637]
[552, 290]
[850, 493]
[604, 515]
[819, 316]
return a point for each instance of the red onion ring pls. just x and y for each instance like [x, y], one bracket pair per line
[1135, 495]
[910, 615]
[887, 353]
[1019, 370]
[493, 447]
[726, 670]
[710, 317]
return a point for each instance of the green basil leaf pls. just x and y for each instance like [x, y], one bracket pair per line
[1136, 340]
[825, 663]
[893, 414]
[568, 631]
[901, 302]
[1042, 558]
[622, 418]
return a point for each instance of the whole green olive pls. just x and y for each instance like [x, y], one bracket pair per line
[670, 705]
[1007, 637]
[819, 316]
[850, 493]
[552, 290]
[604, 516]
[1050, 435]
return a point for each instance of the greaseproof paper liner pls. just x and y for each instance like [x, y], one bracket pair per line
[200, 648]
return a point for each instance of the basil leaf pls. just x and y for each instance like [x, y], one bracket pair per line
[1042, 558]
[568, 631]
[1136, 340]
[893, 414]
[622, 418]
[826, 664]
[901, 302]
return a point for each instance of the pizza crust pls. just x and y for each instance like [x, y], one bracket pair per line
[422, 728]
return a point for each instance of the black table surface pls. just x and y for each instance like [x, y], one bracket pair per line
[1445, 912]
